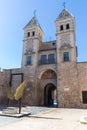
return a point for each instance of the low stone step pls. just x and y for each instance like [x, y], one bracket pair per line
[10, 110]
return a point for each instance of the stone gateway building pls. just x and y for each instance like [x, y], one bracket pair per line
[50, 68]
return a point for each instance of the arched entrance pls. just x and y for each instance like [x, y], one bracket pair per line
[49, 85]
[50, 97]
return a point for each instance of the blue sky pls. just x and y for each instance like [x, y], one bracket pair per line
[15, 14]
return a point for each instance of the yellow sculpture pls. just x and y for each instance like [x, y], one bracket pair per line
[10, 94]
[19, 91]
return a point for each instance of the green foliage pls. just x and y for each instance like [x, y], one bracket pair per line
[19, 91]
[10, 94]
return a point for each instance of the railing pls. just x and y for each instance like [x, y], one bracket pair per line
[42, 62]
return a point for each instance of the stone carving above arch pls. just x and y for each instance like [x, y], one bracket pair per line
[44, 72]
[49, 74]
[45, 82]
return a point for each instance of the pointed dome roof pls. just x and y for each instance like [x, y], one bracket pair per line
[64, 15]
[33, 22]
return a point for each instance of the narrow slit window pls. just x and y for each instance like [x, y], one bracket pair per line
[67, 26]
[61, 27]
[33, 33]
[28, 34]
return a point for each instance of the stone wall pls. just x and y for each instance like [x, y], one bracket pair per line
[82, 81]
[71, 81]
[6, 77]
[2, 80]
[68, 89]
[29, 97]
[15, 75]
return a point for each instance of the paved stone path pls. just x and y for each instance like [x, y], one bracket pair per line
[49, 119]
[33, 110]
[5, 120]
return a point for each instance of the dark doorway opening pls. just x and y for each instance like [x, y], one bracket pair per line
[50, 96]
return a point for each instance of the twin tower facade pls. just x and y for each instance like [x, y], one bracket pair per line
[54, 77]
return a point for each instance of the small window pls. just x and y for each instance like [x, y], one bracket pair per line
[84, 96]
[53, 43]
[33, 33]
[67, 26]
[61, 27]
[51, 58]
[66, 56]
[29, 60]
[28, 34]
[43, 59]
